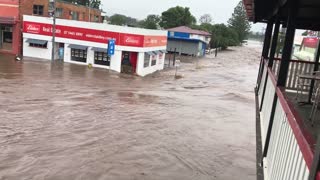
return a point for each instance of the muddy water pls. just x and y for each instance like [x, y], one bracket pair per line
[63, 121]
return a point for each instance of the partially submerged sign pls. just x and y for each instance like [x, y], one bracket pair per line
[177, 63]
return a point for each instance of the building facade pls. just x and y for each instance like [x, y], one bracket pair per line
[84, 43]
[187, 41]
[9, 26]
[11, 16]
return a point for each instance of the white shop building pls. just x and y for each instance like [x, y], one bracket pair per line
[87, 43]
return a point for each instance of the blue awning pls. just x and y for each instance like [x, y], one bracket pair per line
[73, 46]
[99, 49]
[36, 41]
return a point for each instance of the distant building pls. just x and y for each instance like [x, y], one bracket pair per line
[118, 48]
[187, 41]
[11, 18]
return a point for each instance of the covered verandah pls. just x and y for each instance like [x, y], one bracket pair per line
[288, 140]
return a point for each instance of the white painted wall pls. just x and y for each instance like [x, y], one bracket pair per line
[143, 71]
[200, 37]
[41, 53]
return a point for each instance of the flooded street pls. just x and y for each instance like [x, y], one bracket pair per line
[65, 121]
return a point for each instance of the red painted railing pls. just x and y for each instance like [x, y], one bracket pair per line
[304, 138]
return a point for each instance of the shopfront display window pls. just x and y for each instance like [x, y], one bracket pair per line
[101, 58]
[146, 60]
[79, 55]
[154, 60]
[37, 45]
[6, 37]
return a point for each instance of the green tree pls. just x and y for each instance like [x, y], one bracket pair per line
[239, 22]
[151, 22]
[205, 19]
[177, 16]
[305, 33]
[122, 20]
[223, 36]
[118, 19]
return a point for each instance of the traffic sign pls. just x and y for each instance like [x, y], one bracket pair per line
[111, 46]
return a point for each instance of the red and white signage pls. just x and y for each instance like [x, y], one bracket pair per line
[311, 42]
[92, 35]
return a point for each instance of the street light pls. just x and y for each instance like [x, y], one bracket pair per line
[52, 13]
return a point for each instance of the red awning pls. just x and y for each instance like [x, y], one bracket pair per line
[8, 14]
[311, 42]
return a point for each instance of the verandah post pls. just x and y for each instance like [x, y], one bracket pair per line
[316, 68]
[274, 43]
[288, 44]
[265, 51]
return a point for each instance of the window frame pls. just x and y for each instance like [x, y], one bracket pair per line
[36, 45]
[154, 60]
[102, 58]
[79, 55]
[146, 62]
[61, 12]
[37, 9]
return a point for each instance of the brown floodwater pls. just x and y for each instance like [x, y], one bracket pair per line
[64, 121]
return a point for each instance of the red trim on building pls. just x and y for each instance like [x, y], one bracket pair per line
[99, 36]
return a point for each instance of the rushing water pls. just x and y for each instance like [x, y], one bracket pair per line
[63, 121]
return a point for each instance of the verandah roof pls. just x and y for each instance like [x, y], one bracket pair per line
[307, 17]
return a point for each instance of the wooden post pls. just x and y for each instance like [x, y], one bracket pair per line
[267, 39]
[274, 43]
[316, 68]
[265, 51]
[288, 44]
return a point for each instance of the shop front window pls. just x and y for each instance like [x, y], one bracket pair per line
[6, 37]
[146, 60]
[101, 58]
[79, 55]
[38, 45]
[38, 10]
[154, 60]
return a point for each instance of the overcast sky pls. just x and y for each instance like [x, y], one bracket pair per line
[220, 10]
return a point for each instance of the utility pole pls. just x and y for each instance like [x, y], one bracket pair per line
[53, 11]
[89, 10]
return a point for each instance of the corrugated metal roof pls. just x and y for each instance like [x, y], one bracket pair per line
[185, 29]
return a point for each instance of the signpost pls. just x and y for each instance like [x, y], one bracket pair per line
[111, 47]
[51, 11]
[177, 64]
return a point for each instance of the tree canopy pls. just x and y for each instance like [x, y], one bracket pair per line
[177, 16]
[151, 22]
[239, 22]
[205, 19]
[121, 20]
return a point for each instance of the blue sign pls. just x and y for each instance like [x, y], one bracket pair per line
[111, 46]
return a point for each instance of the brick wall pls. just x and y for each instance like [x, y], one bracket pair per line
[67, 8]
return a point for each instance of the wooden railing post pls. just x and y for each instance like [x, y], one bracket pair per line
[288, 44]
[265, 51]
[274, 43]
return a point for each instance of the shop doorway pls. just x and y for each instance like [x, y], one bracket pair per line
[129, 62]
[6, 37]
[61, 51]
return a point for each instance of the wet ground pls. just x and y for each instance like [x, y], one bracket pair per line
[63, 121]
